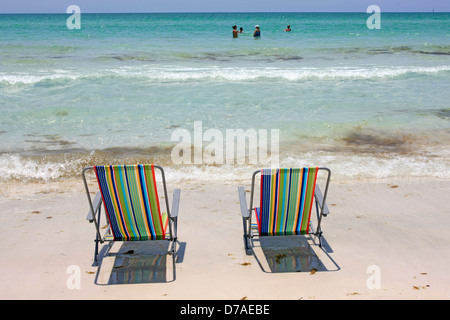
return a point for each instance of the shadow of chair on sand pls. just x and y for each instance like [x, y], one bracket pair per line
[137, 262]
[292, 254]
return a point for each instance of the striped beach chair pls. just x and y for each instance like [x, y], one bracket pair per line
[129, 195]
[286, 200]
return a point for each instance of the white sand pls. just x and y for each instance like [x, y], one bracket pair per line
[399, 228]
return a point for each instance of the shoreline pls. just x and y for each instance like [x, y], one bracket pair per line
[396, 225]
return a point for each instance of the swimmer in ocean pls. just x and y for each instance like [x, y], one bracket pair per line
[257, 32]
[235, 32]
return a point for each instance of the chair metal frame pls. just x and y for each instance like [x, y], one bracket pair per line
[94, 215]
[246, 212]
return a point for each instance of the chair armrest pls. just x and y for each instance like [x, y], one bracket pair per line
[319, 199]
[96, 205]
[175, 203]
[243, 201]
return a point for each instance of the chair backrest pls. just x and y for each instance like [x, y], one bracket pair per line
[131, 202]
[286, 200]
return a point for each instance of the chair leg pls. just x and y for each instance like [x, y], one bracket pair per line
[319, 218]
[246, 235]
[95, 264]
[97, 239]
[246, 245]
[173, 253]
[174, 249]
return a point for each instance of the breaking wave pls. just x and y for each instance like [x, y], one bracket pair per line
[173, 73]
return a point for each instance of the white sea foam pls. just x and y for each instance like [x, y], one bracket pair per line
[365, 166]
[173, 73]
[28, 78]
[343, 167]
[16, 167]
[290, 74]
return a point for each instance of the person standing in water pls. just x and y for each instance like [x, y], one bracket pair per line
[257, 32]
[235, 32]
[288, 28]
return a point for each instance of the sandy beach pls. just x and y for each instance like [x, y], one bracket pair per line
[384, 239]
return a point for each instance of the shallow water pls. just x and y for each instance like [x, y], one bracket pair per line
[366, 103]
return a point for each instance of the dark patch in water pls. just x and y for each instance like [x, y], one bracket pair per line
[214, 56]
[2, 131]
[46, 136]
[436, 53]
[380, 51]
[233, 56]
[172, 126]
[137, 152]
[401, 48]
[376, 142]
[47, 139]
[63, 153]
[290, 58]
[443, 113]
[62, 113]
[439, 51]
[51, 142]
[385, 50]
[126, 58]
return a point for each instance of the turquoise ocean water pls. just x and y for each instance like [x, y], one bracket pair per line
[368, 103]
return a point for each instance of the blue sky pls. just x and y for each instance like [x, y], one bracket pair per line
[59, 6]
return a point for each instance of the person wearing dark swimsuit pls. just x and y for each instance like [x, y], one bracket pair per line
[257, 32]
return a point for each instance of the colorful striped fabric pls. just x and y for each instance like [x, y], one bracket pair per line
[286, 201]
[131, 202]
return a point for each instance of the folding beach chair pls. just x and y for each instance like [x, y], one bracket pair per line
[286, 200]
[130, 198]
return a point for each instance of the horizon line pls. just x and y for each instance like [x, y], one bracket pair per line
[230, 12]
